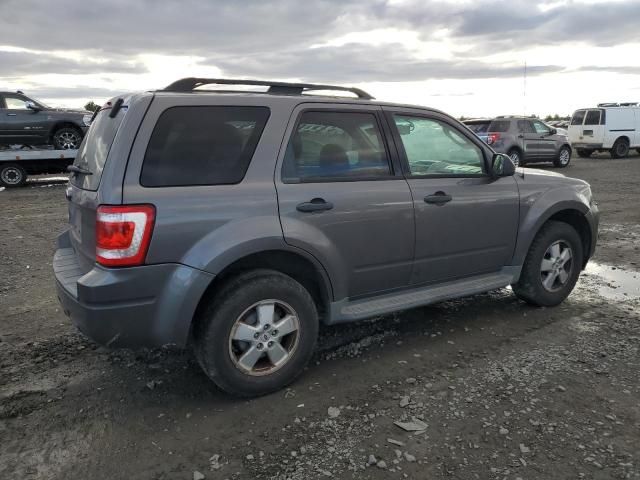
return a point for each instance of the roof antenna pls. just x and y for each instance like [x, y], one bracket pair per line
[524, 92]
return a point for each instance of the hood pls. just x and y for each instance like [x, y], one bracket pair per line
[547, 177]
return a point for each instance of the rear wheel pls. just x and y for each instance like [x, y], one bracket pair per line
[516, 157]
[620, 148]
[638, 150]
[257, 334]
[67, 138]
[552, 266]
[564, 157]
[12, 175]
[584, 153]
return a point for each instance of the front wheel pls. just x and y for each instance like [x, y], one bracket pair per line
[564, 157]
[552, 266]
[12, 175]
[257, 334]
[67, 138]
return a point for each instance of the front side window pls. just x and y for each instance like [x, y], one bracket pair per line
[15, 103]
[541, 128]
[435, 148]
[334, 146]
[202, 145]
[578, 117]
[592, 118]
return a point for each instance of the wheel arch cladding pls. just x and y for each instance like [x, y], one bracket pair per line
[571, 212]
[295, 265]
[64, 124]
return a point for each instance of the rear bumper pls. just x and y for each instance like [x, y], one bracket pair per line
[146, 306]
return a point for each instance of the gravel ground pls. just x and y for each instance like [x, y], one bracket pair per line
[484, 387]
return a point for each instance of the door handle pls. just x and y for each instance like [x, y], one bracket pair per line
[521, 136]
[11, 114]
[315, 205]
[438, 198]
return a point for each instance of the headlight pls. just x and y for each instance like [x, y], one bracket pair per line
[87, 119]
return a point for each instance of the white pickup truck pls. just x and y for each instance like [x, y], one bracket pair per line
[611, 127]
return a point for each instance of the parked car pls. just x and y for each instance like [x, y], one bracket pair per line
[528, 140]
[234, 223]
[25, 121]
[479, 126]
[612, 127]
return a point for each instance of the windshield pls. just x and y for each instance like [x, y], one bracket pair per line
[94, 149]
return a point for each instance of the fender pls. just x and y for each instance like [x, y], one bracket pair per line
[538, 207]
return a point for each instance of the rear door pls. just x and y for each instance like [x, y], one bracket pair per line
[575, 127]
[593, 127]
[343, 199]
[466, 221]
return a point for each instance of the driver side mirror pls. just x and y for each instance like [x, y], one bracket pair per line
[502, 166]
[32, 106]
[553, 131]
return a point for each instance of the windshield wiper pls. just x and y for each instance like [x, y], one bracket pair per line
[77, 169]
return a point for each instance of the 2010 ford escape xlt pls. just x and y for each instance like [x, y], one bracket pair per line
[234, 222]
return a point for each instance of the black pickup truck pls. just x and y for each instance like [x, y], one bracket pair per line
[25, 121]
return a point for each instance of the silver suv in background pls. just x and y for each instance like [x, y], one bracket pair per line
[528, 140]
[235, 222]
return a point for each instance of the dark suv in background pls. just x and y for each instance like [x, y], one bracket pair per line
[528, 140]
[25, 121]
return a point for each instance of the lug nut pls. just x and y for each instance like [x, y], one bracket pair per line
[256, 335]
[270, 344]
[266, 327]
[274, 332]
[259, 346]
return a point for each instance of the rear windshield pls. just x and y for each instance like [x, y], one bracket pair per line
[95, 147]
[578, 117]
[479, 127]
[499, 126]
[202, 145]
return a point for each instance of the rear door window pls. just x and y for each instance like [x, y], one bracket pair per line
[592, 118]
[578, 117]
[95, 147]
[500, 126]
[524, 126]
[335, 146]
[203, 145]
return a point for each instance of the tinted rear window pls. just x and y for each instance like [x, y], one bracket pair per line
[202, 145]
[499, 126]
[478, 127]
[578, 117]
[95, 147]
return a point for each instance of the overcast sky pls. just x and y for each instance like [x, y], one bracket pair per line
[464, 57]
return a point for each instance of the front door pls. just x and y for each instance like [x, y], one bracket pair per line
[545, 141]
[466, 221]
[18, 124]
[343, 200]
[593, 130]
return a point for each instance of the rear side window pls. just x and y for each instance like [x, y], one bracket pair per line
[578, 117]
[478, 128]
[525, 126]
[95, 147]
[335, 146]
[500, 126]
[202, 145]
[592, 118]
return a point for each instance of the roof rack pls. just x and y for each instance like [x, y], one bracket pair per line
[279, 88]
[614, 104]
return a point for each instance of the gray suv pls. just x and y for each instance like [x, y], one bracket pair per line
[235, 222]
[529, 140]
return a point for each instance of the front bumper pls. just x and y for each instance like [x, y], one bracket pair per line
[586, 146]
[593, 218]
[145, 306]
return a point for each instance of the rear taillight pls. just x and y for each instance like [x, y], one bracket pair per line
[123, 233]
[493, 138]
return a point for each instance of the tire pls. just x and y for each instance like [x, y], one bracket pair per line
[584, 153]
[620, 148]
[533, 285]
[638, 151]
[232, 313]
[67, 138]
[516, 157]
[564, 157]
[12, 175]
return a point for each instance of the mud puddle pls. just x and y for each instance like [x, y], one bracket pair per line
[615, 283]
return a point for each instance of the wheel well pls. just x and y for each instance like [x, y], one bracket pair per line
[623, 137]
[296, 266]
[515, 148]
[576, 220]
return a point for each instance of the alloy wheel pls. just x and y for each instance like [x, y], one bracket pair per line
[264, 337]
[556, 265]
[565, 155]
[68, 140]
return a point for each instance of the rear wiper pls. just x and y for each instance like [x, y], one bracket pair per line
[76, 169]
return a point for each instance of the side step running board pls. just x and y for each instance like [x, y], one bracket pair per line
[348, 311]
